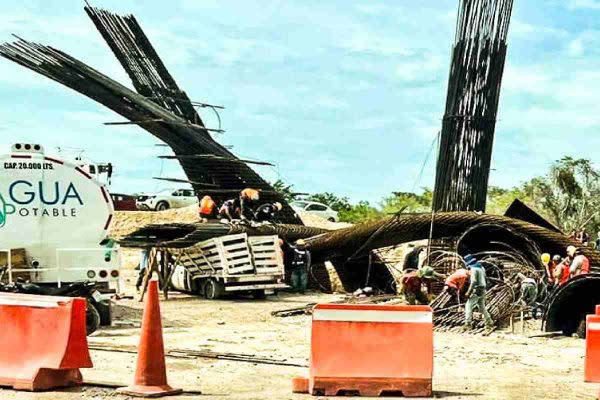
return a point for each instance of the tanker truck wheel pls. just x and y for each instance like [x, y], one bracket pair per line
[162, 206]
[213, 289]
[92, 319]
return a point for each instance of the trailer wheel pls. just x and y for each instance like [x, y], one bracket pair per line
[213, 289]
[259, 294]
[92, 318]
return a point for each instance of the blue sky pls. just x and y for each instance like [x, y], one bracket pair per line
[343, 96]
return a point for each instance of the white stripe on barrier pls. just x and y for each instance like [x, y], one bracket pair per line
[372, 316]
[28, 303]
[594, 326]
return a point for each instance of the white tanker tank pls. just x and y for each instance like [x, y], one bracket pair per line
[59, 214]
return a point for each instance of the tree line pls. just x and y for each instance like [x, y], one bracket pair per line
[568, 195]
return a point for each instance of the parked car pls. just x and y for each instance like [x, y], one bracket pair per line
[312, 207]
[124, 202]
[166, 199]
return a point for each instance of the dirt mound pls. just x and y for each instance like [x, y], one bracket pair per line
[125, 222]
[319, 222]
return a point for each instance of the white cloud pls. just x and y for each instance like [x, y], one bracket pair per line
[424, 69]
[593, 4]
[534, 32]
[530, 79]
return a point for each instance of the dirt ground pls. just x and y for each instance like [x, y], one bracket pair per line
[501, 366]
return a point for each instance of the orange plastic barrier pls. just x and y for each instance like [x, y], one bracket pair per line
[370, 350]
[43, 341]
[597, 309]
[592, 349]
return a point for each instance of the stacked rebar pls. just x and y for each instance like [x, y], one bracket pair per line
[501, 301]
[467, 136]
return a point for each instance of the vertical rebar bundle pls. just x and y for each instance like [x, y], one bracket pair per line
[467, 136]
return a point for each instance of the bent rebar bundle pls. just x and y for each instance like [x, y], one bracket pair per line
[159, 106]
[467, 136]
[399, 229]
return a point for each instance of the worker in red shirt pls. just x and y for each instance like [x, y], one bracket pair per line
[580, 264]
[412, 282]
[562, 272]
[456, 281]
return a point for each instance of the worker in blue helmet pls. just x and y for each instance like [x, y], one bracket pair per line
[476, 293]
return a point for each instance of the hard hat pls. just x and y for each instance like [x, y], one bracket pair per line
[571, 250]
[278, 206]
[251, 194]
[300, 242]
[470, 260]
[426, 272]
[556, 257]
[545, 258]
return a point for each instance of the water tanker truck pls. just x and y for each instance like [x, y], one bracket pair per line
[56, 214]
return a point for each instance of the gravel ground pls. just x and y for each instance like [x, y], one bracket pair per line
[501, 366]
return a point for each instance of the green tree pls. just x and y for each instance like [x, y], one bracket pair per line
[569, 194]
[335, 202]
[360, 212]
[407, 202]
[287, 191]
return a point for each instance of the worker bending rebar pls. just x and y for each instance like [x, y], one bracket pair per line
[476, 293]
[412, 285]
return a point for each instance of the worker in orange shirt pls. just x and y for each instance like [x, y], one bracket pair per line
[456, 281]
[207, 209]
[248, 197]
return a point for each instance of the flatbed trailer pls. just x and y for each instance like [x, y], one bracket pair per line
[232, 263]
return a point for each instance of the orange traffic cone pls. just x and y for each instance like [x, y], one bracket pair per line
[150, 374]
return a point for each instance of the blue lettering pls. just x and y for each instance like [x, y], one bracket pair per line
[72, 193]
[56, 194]
[11, 192]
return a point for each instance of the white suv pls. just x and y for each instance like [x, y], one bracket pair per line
[319, 209]
[166, 199]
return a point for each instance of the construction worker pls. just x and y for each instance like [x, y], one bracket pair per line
[229, 210]
[267, 212]
[529, 292]
[300, 266]
[561, 272]
[207, 209]
[476, 293]
[144, 256]
[455, 283]
[411, 261]
[248, 197]
[412, 282]
[580, 264]
[547, 262]
[551, 271]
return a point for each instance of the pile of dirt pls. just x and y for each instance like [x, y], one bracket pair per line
[319, 222]
[125, 222]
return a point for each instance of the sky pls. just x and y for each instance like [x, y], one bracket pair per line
[342, 96]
